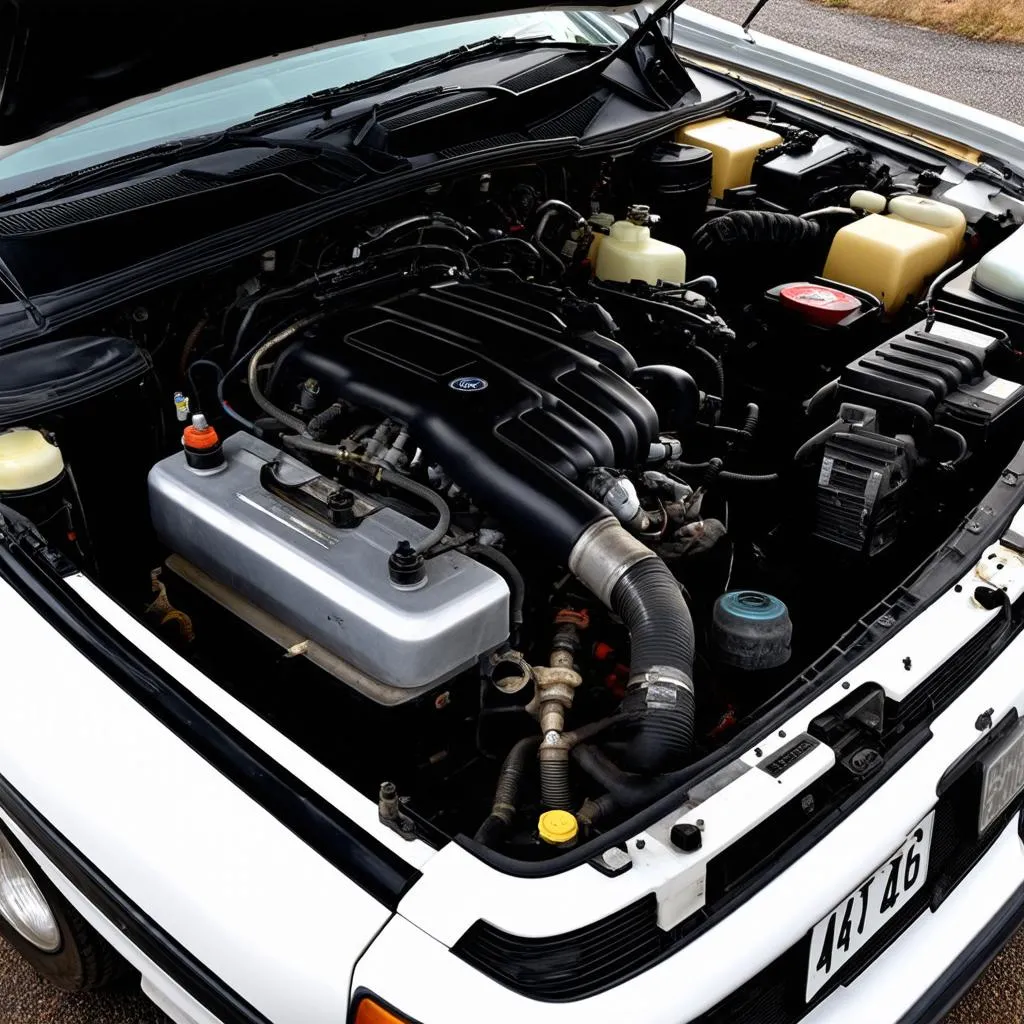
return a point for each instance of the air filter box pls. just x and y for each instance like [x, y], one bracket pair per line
[941, 372]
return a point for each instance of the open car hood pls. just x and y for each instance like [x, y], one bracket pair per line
[64, 59]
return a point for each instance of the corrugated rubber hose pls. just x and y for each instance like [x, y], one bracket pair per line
[506, 793]
[659, 703]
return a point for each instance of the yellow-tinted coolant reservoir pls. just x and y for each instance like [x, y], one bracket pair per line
[27, 461]
[628, 253]
[893, 255]
[733, 144]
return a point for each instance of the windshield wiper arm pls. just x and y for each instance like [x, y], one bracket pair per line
[754, 12]
[14, 286]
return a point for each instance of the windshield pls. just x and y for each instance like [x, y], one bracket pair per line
[226, 99]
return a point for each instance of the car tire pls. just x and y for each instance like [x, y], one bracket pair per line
[83, 960]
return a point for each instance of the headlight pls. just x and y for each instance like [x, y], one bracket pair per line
[22, 903]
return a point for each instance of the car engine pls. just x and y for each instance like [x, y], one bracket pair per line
[516, 498]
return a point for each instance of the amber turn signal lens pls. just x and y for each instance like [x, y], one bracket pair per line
[369, 1012]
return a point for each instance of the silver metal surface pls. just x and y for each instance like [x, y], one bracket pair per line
[603, 553]
[297, 645]
[328, 584]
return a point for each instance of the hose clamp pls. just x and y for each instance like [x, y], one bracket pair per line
[663, 686]
[603, 553]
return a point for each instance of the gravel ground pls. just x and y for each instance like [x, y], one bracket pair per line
[25, 999]
[985, 75]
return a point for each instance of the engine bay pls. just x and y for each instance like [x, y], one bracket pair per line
[514, 500]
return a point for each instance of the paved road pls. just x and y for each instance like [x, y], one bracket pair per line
[981, 74]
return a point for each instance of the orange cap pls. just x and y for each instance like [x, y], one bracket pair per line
[199, 438]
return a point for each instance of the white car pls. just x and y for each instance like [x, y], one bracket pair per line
[516, 517]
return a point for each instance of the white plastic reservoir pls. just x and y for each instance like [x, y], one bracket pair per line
[630, 254]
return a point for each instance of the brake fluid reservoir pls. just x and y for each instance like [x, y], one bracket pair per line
[733, 144]
[629, 253]
[892, 255]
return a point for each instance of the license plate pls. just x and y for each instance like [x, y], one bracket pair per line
[839, 936]
[1002, 777]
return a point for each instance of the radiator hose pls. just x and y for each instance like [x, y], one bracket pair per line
[657, 713]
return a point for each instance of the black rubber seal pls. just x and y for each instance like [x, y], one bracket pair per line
[300, 809]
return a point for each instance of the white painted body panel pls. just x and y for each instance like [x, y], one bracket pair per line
[243, 894]
[718, 962]
[288, 932]
[187, 870]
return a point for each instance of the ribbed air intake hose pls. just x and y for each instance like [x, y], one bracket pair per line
[659, 702]
[760, 248]
[657, 712]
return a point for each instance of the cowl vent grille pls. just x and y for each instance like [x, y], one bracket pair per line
[540, 74]
[101, 204]
[464, 148]
[570, 124]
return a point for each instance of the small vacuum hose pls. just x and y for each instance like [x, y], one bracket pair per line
[959, 442]
[274, 341]
[513, 577]
[506, 793]
[426, 494]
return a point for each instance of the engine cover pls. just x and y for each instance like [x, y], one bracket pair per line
[494, 388]
[330, 584]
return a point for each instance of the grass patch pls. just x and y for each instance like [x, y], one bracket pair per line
[993, 20]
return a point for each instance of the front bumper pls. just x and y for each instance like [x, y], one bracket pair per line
[937, 959]
[916, 981]
[712, 978]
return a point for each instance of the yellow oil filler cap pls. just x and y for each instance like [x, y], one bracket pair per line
[27, 460]
[557, 827]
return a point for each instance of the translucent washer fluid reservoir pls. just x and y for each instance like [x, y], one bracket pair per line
[733, 145]
[630, 254]
[892, 255]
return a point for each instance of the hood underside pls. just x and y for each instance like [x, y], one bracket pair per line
[66, 59]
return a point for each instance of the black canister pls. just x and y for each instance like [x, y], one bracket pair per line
[675, 182]
[751, 630]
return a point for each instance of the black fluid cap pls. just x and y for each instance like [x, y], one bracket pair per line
[205, 458]
[341, 508]
[686, 837]
[406, 567]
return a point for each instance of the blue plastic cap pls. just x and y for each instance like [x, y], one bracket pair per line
[752, 604]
